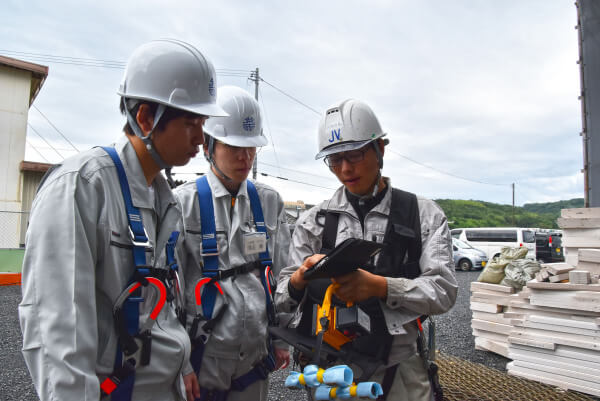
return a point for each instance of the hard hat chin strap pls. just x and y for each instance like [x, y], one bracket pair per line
[209, 158]
[363, 198]
[147, 140]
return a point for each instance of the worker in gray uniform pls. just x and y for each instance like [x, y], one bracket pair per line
[236, 241]
[102, 310]
[413, 275]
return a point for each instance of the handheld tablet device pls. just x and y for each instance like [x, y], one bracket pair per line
[345, 258]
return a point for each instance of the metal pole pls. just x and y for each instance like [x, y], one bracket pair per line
[513, 204]
[256, 79]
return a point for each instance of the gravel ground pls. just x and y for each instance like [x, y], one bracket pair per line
[453, 337]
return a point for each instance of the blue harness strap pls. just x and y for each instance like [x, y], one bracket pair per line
[210, 252]
[170, 250]
[210, 257]
[139, 239]
[264, 257]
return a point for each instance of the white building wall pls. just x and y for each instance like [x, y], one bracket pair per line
[15, 86]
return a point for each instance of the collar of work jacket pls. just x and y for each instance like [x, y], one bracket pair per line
[138, 185]
[219, 190]
[339, 202]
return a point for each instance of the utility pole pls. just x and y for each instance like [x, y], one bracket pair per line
[513, 208]
[254, 76]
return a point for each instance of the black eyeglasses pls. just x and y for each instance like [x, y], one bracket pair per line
[352, 156]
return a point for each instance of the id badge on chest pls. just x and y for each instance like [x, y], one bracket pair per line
[255, 243]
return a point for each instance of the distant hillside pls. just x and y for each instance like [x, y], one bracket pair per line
[470, 213]
[553, 207]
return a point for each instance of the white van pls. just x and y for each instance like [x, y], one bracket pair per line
[492, 239]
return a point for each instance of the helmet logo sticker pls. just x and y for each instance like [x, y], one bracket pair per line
[335, 135]
[248, 124]
[211, 87]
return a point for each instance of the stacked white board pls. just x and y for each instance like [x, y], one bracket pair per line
[581, 230]
[555, 337]
[490, 328]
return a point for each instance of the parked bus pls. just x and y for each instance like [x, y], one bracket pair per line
[493, 239]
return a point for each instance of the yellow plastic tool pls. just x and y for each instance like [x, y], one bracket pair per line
[331, 336]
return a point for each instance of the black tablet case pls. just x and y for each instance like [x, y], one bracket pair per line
[345, 258]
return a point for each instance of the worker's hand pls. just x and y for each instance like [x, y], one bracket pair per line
[192, 388]
[282, 358]
[359, 286]
[297, 279]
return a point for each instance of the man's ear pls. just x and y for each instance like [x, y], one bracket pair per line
[145, 118]
[381, 144]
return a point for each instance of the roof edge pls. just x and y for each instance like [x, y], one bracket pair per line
[39, 73]
[34, 166]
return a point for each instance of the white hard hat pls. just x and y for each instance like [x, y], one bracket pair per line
[172, 73]
[348, 125]
[243, 126]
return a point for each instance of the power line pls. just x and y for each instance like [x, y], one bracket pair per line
[291, 97]
[44, 139]
[225, 72]
[74, 59]
[296, 171]
[91, 62]
[270, 131]
[264, 174]
[401, 155]
[299, 182]
[444, 172]
[66, 60]
[37, 151]
[57, 130]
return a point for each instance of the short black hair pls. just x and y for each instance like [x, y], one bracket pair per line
[170, 113]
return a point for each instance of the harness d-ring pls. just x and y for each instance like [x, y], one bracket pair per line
[269, 280]
[136, 348]
[202, 283]
[160, 290]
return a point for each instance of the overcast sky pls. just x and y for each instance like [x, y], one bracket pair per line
[474, 95]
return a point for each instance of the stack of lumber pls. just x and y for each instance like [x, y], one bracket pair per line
[556, 327]
[554, 273]
[589, 260]
[556, 335]
[490, 328]
[550, 329]
[581, 230]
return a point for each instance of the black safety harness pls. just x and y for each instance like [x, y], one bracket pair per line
[399, 258]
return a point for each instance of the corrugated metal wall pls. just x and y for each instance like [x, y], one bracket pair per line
[31, 181]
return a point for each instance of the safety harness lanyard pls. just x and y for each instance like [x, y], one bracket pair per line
[170, 251]
[174, 275]
[125, 375]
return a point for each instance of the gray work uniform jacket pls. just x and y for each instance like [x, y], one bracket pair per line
[433, 292]
[238, 340]
[78, 260]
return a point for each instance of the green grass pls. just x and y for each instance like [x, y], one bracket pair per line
[11, 260]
